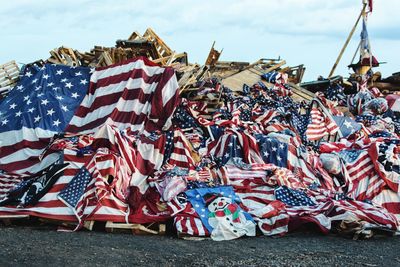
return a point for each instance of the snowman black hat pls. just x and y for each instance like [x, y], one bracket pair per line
[210, 197]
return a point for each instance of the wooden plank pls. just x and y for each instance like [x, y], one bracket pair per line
[136, 229]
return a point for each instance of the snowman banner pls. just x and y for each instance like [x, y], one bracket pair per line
[220, 213]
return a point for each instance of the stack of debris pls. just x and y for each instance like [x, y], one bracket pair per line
[224, 149]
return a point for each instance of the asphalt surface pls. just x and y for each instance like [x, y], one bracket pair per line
[44, 246]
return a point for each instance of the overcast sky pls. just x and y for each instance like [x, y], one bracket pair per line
[309, 32]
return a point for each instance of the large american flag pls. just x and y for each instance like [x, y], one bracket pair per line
[39, 107]
[136, 94]
[134, 91]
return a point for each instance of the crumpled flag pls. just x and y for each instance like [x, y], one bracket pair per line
[219, 211]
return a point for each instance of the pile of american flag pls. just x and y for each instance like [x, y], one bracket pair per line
[122, 144]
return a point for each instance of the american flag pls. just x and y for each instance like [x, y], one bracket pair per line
[361, 178]
[136, 93]
[321, 125]
[272, 150]
[293, 197]
[39, 107]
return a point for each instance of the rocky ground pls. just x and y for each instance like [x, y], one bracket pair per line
[44, 246]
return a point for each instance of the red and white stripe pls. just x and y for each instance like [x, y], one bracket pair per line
[320, 126]
[20, 150]
[136, 94]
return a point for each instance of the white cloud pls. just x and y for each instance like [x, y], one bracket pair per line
[308, 31]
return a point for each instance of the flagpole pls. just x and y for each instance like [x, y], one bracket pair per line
[347, 40]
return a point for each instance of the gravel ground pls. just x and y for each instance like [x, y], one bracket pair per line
[44, 246]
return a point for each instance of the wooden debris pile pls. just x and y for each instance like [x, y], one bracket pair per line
[149, 45]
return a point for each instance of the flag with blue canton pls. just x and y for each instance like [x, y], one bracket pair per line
[46, 97]
[272, 150]
[40, 106]
[169, 145]
[300, 122]
[232, 149]
[183, 119]
[347, 126]
[72, 193]
[293, 197]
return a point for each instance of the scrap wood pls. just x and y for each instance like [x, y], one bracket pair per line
[9, 76]
[213, 56]
[68, 224]
[136, 229]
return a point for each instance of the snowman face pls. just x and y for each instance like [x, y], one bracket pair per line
[219, 204]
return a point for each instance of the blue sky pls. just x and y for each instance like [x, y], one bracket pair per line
[309, 32]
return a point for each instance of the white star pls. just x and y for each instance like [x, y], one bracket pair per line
[64, 80]
[38, 88]
[45, 102]
[78, 73]
[56, 123]
[279, 158]
[26, 97]
[274, 149]
[31, 110]
[59, 72]
[50, 112]
[46, 76]
[50, 84]
[12, 106]
[83, 82]
[226, 155]
[4, 122]
[34, 81]
[281, 146]
[20, 87]
[59, 97]
[75, 95]
[28, 102]
[29, 74]
[18, 114]
[230, 144]
[266, 154]
[348, 124]
[41, 94]
[37, 118]
[68, 85]
[64, 108]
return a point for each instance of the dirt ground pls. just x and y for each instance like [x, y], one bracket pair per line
[44, 246]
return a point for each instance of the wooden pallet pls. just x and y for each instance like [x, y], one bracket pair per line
[136, 229]
[68, 224]
[9, 76]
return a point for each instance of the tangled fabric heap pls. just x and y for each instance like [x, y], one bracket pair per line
[260, 163]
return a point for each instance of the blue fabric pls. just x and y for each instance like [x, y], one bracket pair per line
[44, 98]
[292, 197]
[197, 198]
[272, 150]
